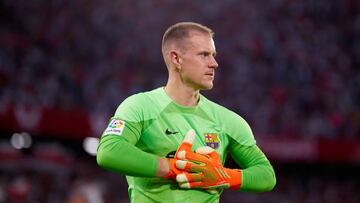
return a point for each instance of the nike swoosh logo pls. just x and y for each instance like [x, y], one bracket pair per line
[168, 132]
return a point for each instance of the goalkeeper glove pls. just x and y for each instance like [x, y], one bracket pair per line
[206, 171]
[185, 147]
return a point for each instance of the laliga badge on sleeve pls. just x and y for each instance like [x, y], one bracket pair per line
[115, 127]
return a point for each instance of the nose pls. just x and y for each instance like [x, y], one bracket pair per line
[213, 63]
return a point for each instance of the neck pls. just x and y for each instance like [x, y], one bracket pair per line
[182, 94]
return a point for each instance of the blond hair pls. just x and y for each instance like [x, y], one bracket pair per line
[182, 30]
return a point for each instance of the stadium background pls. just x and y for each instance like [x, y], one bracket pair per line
[290, 67]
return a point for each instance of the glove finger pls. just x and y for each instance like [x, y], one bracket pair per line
[172, 168]
[183, 165]
[223, 185]
[214, 155]
[210, 152]
[212, 191]
[193, 157]
[189, 177]
[190, 166]
[188, 141]
[189, 137]
[188, 185]
[204, 185]
[204, 150]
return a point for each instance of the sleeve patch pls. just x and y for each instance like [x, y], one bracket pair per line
[115, 127]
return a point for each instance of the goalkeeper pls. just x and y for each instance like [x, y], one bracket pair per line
[145, 138]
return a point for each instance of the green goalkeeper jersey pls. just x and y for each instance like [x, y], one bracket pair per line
[155, 124]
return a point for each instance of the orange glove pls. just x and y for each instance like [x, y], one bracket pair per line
[185, 147]
[206, 171]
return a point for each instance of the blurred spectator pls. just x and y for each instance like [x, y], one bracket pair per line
[86, 188]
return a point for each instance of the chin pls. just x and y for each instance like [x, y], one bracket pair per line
[207, 87]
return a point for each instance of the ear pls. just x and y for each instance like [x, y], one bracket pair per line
[175, 58]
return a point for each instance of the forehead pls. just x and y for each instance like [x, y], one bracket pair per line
[201, 41]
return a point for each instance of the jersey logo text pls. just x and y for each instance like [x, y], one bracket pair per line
[115, 127]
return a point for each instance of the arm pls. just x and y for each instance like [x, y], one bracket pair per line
[257, 174]
[207, 172]
[115, 153]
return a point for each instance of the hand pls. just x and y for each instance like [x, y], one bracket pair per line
[204, 170]
[184, 147]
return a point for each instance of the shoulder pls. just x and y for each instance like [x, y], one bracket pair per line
[142, 98]
[218, 110]
[142, 104]
[230, 122]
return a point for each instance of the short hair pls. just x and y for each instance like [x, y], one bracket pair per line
[182, 30]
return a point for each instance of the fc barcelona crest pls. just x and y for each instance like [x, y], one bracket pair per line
[211, 140]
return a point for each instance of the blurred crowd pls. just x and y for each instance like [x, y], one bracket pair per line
[42, 182]
[286, 66]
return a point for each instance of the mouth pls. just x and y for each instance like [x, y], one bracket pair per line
[211, 74]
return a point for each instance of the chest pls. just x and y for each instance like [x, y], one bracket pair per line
[164, 134]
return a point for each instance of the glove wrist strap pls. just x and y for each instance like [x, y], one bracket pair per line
[236, 178]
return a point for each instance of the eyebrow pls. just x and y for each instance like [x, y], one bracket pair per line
[208, 52]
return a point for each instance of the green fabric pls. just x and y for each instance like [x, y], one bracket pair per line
[257, 175]
[147, 117]
[111, 152]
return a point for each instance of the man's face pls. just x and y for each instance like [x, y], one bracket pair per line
[198, 62]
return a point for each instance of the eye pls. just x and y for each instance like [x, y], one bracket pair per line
[204, 54]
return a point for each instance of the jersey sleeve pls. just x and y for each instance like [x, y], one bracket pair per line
[257, 173]
[128, 120]
[117, 151]
[238, 129]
